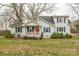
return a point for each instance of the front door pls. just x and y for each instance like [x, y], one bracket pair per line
[37, 29]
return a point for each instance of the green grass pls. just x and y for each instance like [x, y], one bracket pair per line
[45, 47]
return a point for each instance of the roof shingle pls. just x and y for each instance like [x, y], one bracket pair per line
[48, 19]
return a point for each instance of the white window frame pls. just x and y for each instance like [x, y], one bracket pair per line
[63, 29]
[30, 29]
[46, 29]
[18, 29]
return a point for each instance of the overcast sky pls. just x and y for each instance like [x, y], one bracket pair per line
[62, 9]
[65, 9]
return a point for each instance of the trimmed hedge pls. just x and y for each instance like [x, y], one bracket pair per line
[60, 35]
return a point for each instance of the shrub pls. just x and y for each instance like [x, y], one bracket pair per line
[68, 36]
[60, 35]
[8, 34]
[56, 35]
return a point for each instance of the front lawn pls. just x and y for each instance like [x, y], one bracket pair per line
[45, 47]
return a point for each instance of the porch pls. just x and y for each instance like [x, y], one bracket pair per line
[33, 31]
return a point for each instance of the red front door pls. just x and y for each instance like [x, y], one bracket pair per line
[37, 29]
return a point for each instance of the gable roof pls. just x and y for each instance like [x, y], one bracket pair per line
[51, 20]
[34, 23]
[47, 18]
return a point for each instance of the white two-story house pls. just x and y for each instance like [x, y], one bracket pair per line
[45, 25]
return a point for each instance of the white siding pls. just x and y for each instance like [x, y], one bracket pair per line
[13, 31]
[44, 24]
[62, 24]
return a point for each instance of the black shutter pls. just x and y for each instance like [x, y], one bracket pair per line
[64, 29]
[16, 29]
[57, 19]
[44, 29]
[49, 29]
[27, 28]
[64, 20]
[57, 29]
[21, 29]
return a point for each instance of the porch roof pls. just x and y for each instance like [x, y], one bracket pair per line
[32, 23]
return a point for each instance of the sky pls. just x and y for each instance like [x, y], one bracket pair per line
[65, 9]
[62, 9]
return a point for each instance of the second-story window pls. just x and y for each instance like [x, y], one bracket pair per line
[64, 20]
[59, 20]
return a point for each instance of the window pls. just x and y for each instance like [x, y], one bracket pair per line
[46, 29]
[18, 29]
[30, 29]
[59, 20]
[61, 29]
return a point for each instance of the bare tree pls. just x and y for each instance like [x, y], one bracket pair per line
[75, 8]
[34, 10]
[18, 12]
[23, 11]
[1, 24]
[13, 11]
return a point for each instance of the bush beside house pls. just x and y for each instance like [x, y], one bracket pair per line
[8, 34]
[60, 35]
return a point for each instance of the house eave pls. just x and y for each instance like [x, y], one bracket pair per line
[47, 22]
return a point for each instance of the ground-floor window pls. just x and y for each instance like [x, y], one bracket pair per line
[60, 29]
[18, 29]
[30, 29]
[46, 29]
